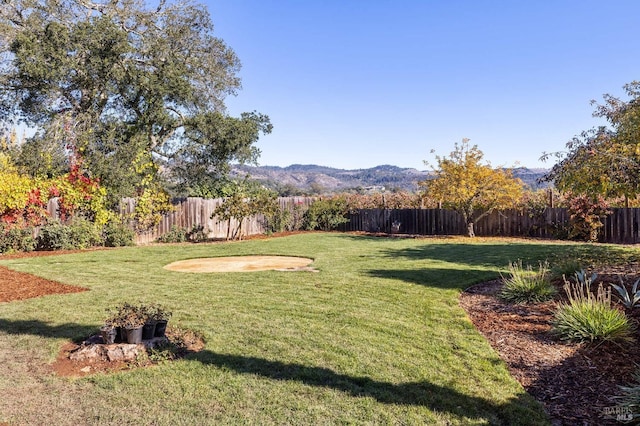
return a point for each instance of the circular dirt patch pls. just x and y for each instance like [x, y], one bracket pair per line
[242, 264]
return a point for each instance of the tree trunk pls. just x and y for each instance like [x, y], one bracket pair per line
[470, 230]
[239, 232]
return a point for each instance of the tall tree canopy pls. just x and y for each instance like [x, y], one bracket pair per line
[462, 182]
[127, 89]
[604, 161]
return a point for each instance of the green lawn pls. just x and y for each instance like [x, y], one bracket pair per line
[376, 337]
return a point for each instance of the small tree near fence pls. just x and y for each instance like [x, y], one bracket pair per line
[245, 201]
[585, 217]
[474, 190]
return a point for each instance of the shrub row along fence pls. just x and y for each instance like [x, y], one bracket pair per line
[621, 226]
[192, 212]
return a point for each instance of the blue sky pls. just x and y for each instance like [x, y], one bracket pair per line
[355, 84]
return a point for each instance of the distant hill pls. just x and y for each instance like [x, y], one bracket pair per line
[309, 177]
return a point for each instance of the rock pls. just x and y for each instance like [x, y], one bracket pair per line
[124, 352]
[92, 350]
[88, 353]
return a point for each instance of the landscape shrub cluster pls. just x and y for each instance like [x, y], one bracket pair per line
[78, 234]
[326, 214]
[526, 286]
[16, 239]
[85, 219]
[587, 315]
[117, 234]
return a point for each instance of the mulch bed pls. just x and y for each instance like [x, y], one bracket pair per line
[19, 286]
[574, 383]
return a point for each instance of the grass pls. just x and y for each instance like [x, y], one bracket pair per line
[589, 317]
[526, 286]
[376, 337]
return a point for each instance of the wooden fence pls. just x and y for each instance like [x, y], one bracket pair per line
[405, 221]
[621, 226]
[191, 212]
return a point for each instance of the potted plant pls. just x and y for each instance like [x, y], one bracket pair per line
[108, 332]
[133, 321]
[130, 319]
[149, 327]
[161, 316]
[114, 322]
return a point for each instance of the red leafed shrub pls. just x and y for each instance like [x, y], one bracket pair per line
[585, 217]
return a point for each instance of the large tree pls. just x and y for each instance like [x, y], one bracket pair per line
[464, 183]
[127, 89]
[604, 161]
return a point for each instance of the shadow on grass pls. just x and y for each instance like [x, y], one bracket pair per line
[520, 410]
[500, 254]
[436, 277]
[69, 331]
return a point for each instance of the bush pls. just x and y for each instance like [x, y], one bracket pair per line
[117, 234]
[285, 219]
[16, 239]
[585, 217]
[589, 317]
[565, 267]
[326, 214]
[197, 234]
[279, 221]
[55, 236]
[527, 286]
[630, 394]
[177, 234]
[80, 234]
[84, 234]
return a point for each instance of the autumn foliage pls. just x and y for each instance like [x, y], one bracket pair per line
[23, 199]
[462, 182]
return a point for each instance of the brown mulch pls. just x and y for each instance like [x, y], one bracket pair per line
[16, 285]
[574, 383]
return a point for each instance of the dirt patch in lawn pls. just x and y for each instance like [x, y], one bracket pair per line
[242, 264]
[179, 344]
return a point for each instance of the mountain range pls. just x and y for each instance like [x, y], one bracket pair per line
[314, 178]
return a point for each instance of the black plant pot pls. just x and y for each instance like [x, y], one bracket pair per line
[148, 330]
[121, 336]
[161, 328]
[108, 335]
[134, 335]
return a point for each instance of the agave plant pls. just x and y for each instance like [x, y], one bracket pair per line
[584, 279]
[629, 300]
